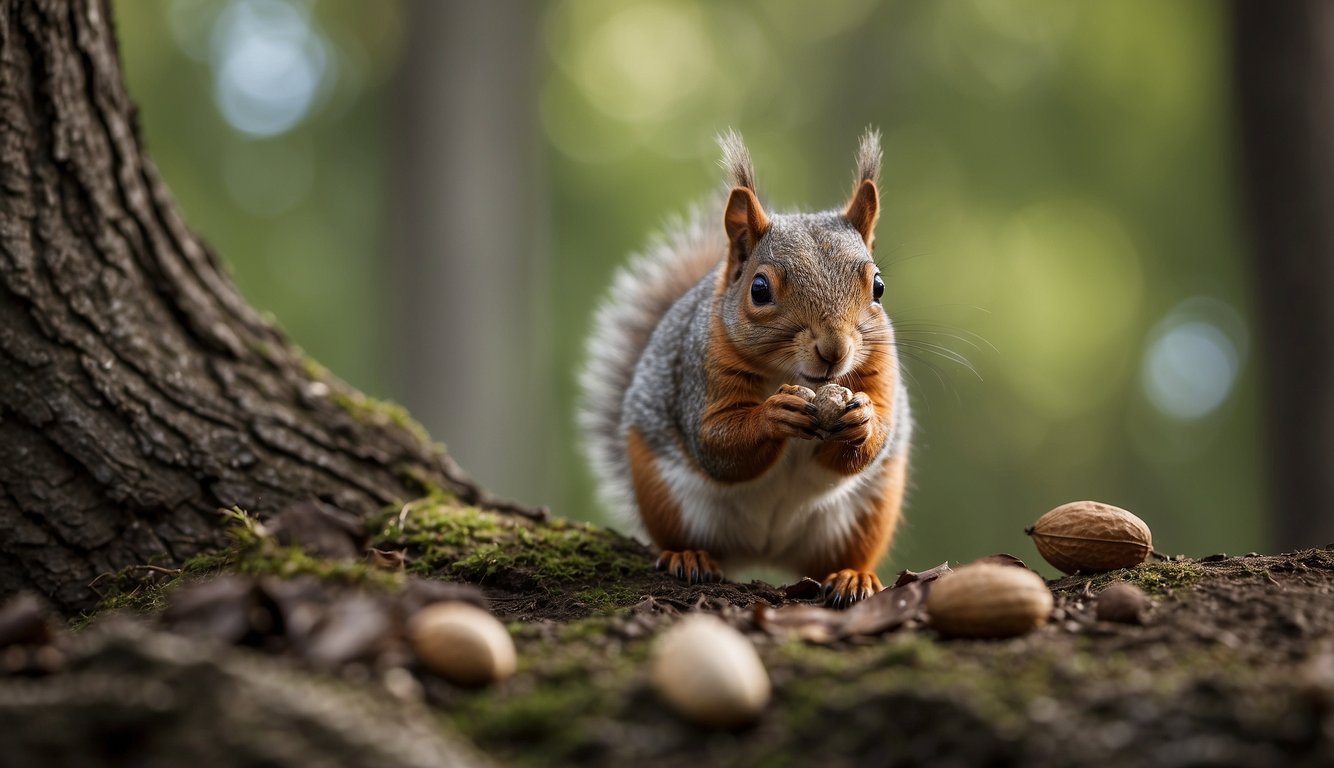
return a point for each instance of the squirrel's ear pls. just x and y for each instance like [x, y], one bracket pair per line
[864, 209]
[745, 222]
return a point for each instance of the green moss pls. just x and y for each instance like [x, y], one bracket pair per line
[142, 590]
[252, 551]
[1154, 577]
[571, 679]
[362, 408]
[290, 562]
[608, 596]
[449, 540]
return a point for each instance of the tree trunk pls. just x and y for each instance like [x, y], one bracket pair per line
[1284, 63]
[465, 220]
[138, 391]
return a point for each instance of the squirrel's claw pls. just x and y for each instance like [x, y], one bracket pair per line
[693, 566]
[848, 586]
[855, 425]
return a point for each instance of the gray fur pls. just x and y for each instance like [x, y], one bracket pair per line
[642, 292]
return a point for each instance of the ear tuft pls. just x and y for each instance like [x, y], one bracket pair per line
[736, 160]
[868, 158]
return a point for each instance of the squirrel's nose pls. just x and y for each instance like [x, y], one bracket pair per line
[832, 352]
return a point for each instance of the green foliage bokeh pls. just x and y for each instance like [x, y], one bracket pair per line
[1058, 194]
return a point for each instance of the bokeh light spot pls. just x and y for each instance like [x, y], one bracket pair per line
[268, 65]
[1191, 364]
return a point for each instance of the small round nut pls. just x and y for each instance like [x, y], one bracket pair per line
[1091, 537]
[1122, 602]
[710, 672]
[988, 600]
[462, 643]
[831, 402]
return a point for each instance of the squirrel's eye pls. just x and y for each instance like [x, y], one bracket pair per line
[760, 293]
[877, 288]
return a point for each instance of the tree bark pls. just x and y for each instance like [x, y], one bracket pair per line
[138, 391]
[1284, 69]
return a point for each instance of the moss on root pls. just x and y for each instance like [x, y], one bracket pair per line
[144, 589]
[445, 539]
[589, 569]
[362, 408]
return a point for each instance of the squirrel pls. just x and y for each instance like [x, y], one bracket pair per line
[743, 399]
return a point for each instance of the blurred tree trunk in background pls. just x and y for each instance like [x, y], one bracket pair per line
[467, 225]
[138, 391]
[1284, 59]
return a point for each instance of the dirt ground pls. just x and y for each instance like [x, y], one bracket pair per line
[1233, 663]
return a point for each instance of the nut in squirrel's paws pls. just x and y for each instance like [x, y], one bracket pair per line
[830, 403]
[693, 566]
[848, 586]
[842, 414]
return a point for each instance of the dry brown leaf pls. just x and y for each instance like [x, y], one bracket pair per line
[885, 611]
[929, 575]
[806, 589]
[1003, 559]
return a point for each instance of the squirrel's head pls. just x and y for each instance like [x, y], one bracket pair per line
[800, 292]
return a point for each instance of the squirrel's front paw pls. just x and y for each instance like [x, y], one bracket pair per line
[848, 586]
[791, 413]
[693, 566]
[855, 423]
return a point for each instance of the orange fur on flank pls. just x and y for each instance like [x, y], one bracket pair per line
[658, 510]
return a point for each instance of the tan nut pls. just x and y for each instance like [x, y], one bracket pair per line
[710, 672]
[831, 402]
[462, 643]
[1091, 537]
[988, 600]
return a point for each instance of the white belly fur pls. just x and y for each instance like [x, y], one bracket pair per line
[794, 510]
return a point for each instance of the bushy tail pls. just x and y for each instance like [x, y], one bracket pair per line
[640, 294]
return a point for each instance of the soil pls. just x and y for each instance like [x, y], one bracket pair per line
[1233, 663]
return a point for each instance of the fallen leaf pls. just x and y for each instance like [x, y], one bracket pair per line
[354, 628]
[886, 610]
[387, 559]
[811, 623]
[929, 575]
[229, 608]
[806, 589]
[1003, 559]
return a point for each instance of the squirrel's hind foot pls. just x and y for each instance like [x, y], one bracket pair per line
[693, 566]
[848, 586]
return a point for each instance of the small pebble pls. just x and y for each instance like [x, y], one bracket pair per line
[1122, 602]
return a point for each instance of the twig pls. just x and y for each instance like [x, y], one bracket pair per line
[109, 574]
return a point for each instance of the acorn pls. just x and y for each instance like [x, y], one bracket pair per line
[462, 643]
[709, 672]
[988, 600]
[1091, 537]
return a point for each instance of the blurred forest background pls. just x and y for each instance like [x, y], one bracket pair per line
[430, 198]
